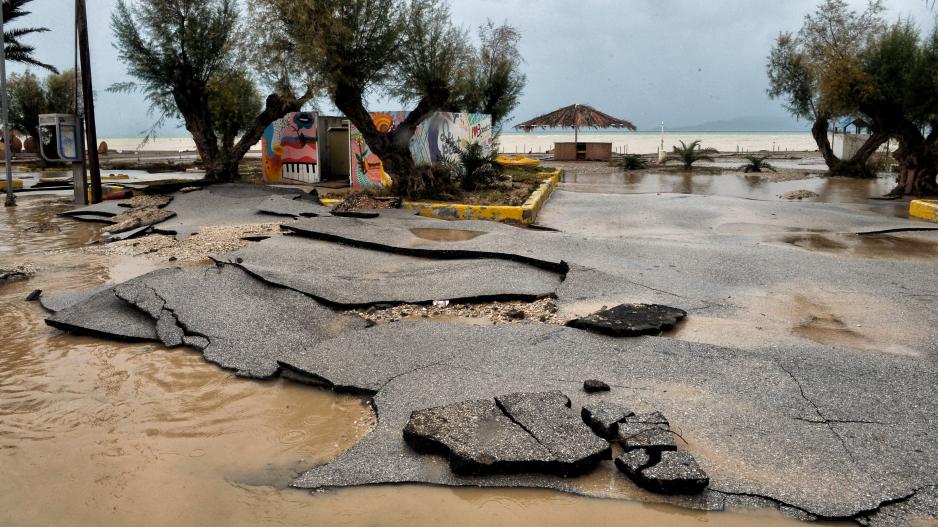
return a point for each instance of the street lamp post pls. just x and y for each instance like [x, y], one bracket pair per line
[7, 153]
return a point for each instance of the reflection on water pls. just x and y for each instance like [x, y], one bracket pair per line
[100, 433]
[830, 190]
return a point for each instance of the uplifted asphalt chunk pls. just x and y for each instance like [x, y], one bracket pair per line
[631, 320]
[293, 208]
[548, 417]
[228, 204]
[668, 472]
[235, 320]
[100, 314]
[350, 277]
[433, 238]
[54, 302]
[604, 418]
[104, 209]
[649, 431]
[478, 438]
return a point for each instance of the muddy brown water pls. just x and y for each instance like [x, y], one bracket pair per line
[100, 433]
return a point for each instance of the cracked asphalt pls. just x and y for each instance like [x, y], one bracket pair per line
[803, 378]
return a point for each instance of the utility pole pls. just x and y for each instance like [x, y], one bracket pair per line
[7, 151]
[91, 134]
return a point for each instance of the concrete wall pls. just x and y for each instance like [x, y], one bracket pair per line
[290, 149]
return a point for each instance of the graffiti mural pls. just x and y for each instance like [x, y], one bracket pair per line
[366, 168]
[290, 149]
[429, 144]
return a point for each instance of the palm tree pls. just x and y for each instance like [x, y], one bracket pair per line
[16, 50]
[690, 154]
[757, 164]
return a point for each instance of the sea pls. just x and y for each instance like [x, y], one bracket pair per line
[541, 142]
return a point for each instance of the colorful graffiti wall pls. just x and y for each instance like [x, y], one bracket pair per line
[290, 149]
[429, 144]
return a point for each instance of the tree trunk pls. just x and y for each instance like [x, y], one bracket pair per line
[393, 148]
[221, 162]
[856, 166]
[918, 164]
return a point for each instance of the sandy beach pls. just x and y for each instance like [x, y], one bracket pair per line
[541, 142]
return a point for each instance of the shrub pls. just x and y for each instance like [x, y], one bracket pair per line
[632, 162]
[474, 165]
[756, 164]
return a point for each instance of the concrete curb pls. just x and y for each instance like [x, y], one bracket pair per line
[526, 214]
[924, 209]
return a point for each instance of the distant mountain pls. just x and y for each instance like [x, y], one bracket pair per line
[748, 124]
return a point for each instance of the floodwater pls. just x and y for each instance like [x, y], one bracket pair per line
[446, 235]
[100, 433]
[597, 177]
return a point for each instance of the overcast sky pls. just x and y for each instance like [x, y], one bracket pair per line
[679, 61]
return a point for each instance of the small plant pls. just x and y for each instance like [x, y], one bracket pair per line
[632, 162]
[690, 154]
[474, 165]
[757, 164]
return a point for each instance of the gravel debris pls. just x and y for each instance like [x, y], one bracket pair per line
[542, 311]
[18, 272]
[800, 194]
[198, 247]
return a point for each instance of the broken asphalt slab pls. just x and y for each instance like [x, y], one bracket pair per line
[349, 277]
[631, 320]
[472, 239]
[291, 207]
[99, 313]
[668, 472]
[515, 433]
[228, 204]
[235, 320]
[745, 418]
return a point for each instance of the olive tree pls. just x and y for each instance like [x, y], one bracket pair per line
[812, 72]
[408, 50]
[191, 59]
[29, 96]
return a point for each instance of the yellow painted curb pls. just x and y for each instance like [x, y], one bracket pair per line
[17, 184]
[526, 213]
[924, 209]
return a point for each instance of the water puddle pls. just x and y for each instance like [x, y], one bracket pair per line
[446, 235]
[770, 187]
[867, 246]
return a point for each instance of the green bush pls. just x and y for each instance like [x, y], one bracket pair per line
[631, 162]
[474, 165]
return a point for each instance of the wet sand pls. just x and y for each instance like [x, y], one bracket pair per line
[100, 433]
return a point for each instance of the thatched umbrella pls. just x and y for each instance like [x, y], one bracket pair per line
[575, 116]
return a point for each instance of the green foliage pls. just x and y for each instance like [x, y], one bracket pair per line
[473, 164]
[757, 164]
[16, 50]
[492, 82]
[690, 154]
[190, 59]
[632, 162]
[173, 48]
[29, 97]
[816, 71]
[233, 103]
